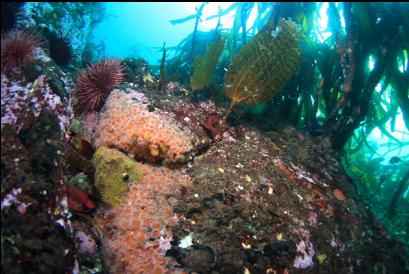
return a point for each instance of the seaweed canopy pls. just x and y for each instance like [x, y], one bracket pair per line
[264, 65]
[204, 66]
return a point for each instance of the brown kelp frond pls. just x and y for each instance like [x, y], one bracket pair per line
[204, 66]
[263, 66]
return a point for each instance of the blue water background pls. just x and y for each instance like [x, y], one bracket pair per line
[139, 29]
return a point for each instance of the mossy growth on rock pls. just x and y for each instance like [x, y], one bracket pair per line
[114, 173]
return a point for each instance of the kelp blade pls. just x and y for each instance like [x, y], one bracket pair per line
[204, 66]
[264, 65]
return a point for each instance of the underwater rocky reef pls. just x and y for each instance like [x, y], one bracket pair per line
[233, 155]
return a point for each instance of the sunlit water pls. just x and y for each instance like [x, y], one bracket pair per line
[140, 29]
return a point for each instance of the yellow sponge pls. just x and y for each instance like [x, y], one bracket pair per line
[114, 173]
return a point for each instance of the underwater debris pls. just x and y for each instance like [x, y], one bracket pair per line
[18, 49]
[96, 83]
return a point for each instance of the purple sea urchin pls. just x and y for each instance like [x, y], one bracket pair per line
[18, 49]
[95, 84]
[60, 49]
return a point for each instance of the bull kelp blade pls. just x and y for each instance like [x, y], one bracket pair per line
[204, 66]
[265, 64]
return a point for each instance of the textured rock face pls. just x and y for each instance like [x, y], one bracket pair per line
[33, 130]
[114, 173]
[266, 203]
[127, 123]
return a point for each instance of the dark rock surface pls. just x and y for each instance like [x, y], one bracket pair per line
[265, 203]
